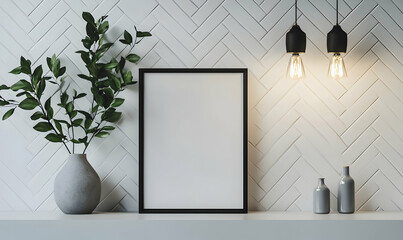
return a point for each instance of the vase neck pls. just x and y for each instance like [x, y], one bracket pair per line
[321, 181]
[78, 157]
[346, 171]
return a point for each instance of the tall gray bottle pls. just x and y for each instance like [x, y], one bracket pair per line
[321, 198]
[346, 192]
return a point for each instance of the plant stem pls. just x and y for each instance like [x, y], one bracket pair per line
[93, 135]
[54, 129]
[45, 114]
[72, 131]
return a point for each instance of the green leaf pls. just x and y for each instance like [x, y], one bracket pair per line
[117, 102]
[122, 63]
[97, 96]
[105, 47]
[49, 62]
[108, 128]
[16, 70]
[107, 97]
[87, 123]
[95, 109]
[70, 107]
[63, 98]
[93, 69]
[73, 114]
[87, 42]
[53, 60]
[83, 140]
[133, 58]
[48, 108]
[103, 83]
[127, 77]
[37, 115]
[37, 75]
[77, 122]
[111, 115]
[22, 84]
[43, 127]
[62, 121]
[111, 65]
[81, 95]
[143, 34]
[131, 83]
[56, 67]
[84, 77]
[102, 134]
[25, 65]
[52, 137]
[123, 41]
[92, 130]
[21, 93]
[8, 113]
[103, 27]
[88, 18]
[28, 104]
[92, 32]
[58, 126]
[4, 103]
[115, 83]
[86, 115]
[128, 37]
[28, 95]
[103, 18]
[40, 88]
[4, 87]
[61, 71]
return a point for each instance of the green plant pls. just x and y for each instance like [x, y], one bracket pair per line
[107, 79]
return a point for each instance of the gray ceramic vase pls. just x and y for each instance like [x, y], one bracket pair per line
[346, 192]
[321, 198]
[77, 188]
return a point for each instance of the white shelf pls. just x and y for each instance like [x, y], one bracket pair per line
[262, 216]
[255, 225]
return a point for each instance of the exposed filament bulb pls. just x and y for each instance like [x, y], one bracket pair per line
[337, 70]
[295, 68]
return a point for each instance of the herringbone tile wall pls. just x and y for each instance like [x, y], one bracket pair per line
[298, 130]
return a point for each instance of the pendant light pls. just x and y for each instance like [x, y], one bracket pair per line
[337, 44]
[295, 44]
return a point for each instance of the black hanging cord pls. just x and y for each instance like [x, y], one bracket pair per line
[337, 12]
[295, 12]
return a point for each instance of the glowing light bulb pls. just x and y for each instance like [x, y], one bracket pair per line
[337, 70]
[295, 68]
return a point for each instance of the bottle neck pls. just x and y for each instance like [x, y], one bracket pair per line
[346, 171]
[321, 181]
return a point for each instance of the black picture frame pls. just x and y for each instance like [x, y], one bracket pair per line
[244, 72]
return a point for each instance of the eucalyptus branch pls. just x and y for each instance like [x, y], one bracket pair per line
[107, 79]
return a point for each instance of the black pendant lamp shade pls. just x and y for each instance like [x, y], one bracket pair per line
[295, 40]
[337, 40]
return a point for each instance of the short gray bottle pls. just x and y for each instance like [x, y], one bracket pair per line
[321, 198]
[346, 192]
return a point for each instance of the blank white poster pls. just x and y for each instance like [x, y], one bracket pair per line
[193, 140]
